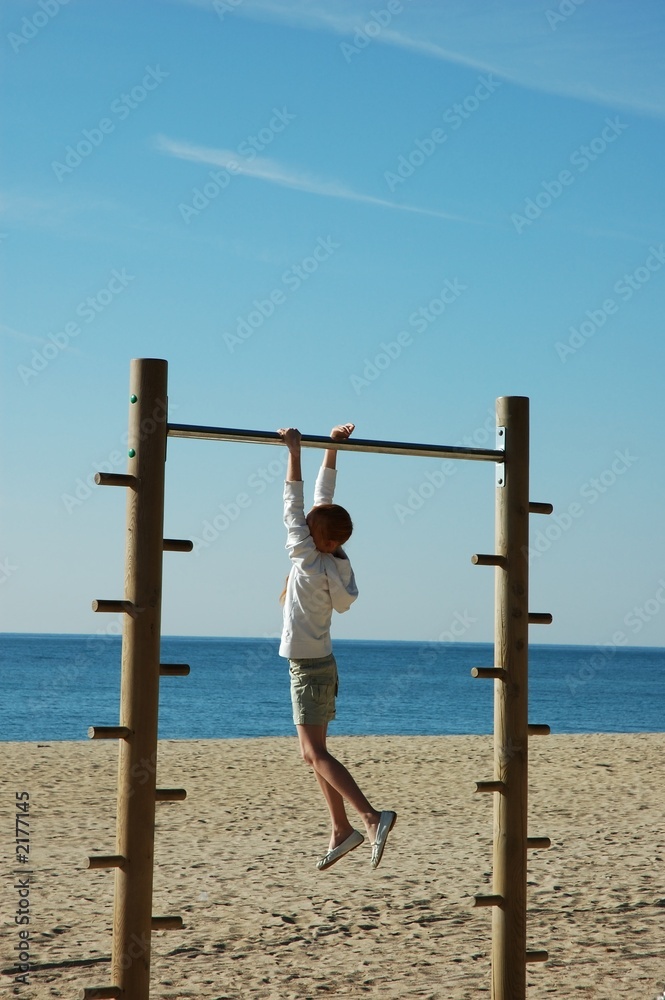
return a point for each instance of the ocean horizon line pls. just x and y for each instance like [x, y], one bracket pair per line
[339, 641]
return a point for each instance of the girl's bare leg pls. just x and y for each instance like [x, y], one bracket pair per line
[341, 827]
[336, 784]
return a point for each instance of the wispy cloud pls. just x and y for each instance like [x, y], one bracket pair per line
[30, 338]
[264, 169]
[608, 53]
[343, 18]
[9, 331]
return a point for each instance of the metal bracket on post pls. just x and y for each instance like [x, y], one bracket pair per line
[501, 466]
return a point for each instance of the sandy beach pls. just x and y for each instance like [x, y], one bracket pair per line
[237, 861]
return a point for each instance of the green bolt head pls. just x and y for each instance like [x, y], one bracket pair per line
[131, 453]
[133, 399]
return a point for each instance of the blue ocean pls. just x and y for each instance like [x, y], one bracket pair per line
[55, 686]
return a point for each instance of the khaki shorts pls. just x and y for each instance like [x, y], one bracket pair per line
[314, 686]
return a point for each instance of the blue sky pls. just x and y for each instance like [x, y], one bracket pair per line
[387, 213]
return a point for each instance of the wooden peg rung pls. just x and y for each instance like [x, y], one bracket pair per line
[497, 672]
[170, 794]
[488, 560]
[178, 545]
[115, 479]
[540, 618]
[490, 786]
[106, 861]
[109, 732]
[115, 607]
[166, 923]
[537, 729]
[540, 508]
[537, 956]
[488, 900]
[538, 843]
[100, 993]
[173, 669]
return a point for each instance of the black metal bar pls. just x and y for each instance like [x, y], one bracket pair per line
[318, 441]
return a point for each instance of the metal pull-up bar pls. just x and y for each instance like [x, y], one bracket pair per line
[318, 441]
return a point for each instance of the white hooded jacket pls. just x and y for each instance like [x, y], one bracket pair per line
[318, 582]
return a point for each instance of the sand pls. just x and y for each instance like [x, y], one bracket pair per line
[237, 861]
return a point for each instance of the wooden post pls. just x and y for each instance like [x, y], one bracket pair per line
[511, 644]
[139, 692]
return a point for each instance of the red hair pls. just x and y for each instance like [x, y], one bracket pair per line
[333, 521]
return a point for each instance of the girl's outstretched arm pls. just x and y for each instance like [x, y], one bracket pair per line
[291, 438]
[340, 433]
